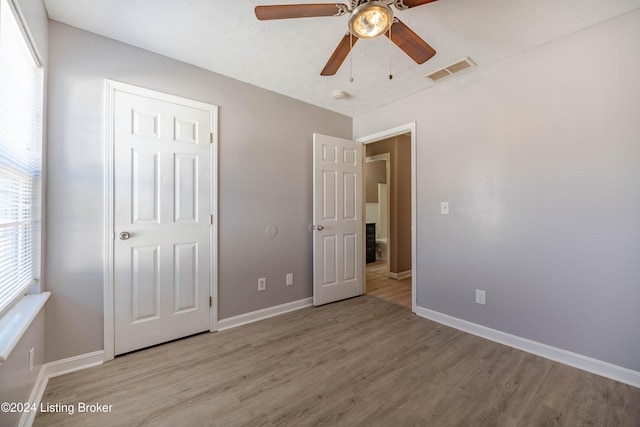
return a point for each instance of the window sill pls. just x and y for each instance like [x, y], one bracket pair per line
[16, 321]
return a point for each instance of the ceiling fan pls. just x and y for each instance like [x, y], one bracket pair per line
[369, 19]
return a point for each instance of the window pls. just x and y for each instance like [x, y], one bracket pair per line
[21, 93]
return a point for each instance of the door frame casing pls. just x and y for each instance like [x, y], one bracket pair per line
[111, 87]
[379, 136]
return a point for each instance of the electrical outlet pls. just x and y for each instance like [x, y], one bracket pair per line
[289, 280]
[262, 284]
[481, 296]
[31, 359]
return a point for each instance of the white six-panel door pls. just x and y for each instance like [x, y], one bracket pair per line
[337, 219]
[162, 205]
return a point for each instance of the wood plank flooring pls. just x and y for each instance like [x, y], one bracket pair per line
[359, 362]
[381, 286]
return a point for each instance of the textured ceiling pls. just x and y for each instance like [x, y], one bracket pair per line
[286, 56]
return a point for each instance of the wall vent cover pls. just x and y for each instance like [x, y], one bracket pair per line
[451, 69]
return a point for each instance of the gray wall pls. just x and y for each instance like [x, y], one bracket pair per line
[16, 382]
[265, 177]
[539, 157]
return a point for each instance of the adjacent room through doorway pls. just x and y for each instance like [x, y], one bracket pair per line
[387, 176]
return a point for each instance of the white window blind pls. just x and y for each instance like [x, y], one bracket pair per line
[21, 86]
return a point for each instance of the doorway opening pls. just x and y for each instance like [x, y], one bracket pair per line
[389, 205]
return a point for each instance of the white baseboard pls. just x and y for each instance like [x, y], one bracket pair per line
[254, 316]
[27, 418]
[55, 369]
[75, 363]
[401, 275]
[595, 366]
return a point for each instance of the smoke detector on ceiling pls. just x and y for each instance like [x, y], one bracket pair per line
[451, 69]
[340, 94]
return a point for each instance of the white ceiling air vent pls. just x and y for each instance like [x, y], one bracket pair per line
[449, 70]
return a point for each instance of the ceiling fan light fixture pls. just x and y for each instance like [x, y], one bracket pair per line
[370, 20]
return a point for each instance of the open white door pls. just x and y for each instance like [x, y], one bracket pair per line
[337, 219]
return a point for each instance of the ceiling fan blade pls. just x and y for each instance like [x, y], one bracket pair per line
[414, 3]
[339, 55]
[410, 42]
[286, 11]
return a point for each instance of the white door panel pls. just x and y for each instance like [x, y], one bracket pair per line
[337, 216]
[162, 199]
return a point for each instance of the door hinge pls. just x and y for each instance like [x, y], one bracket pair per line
[210, 137]
[210, 219]
[210, 301]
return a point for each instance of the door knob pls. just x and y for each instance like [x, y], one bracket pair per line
[320, 227]
[124, 235]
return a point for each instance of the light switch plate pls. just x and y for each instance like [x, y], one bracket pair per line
[444, 208]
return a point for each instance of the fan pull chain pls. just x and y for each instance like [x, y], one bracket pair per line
[350, 56]
[390, 75]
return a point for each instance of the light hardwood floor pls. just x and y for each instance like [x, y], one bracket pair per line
[381, 286]
[359, 362]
